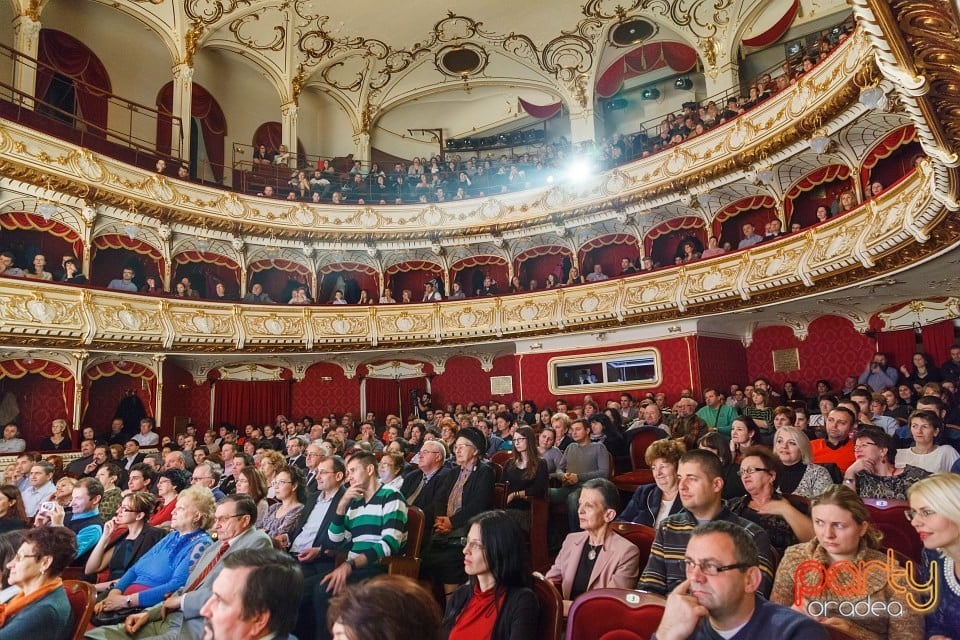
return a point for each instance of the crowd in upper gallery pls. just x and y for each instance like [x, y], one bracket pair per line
[790, 483]
[453, 177]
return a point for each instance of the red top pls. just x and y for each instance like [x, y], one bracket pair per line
[478, 617]
[164, 514]
[842, 456]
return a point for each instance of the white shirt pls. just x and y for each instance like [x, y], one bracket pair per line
[148, 439]
[32, 497]
[311, 527]
[940, 459]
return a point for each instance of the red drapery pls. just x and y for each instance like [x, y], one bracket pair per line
[258, 402]
[899, 346]
[64, 54]
[133, 370]
[776, 31]
[937, 340]
[213, 124]
[21, 220]
[352, 277]
[386, 396]
[831, 173]
[41, 408]
[647, 57]
[885, 148]
[540, 112]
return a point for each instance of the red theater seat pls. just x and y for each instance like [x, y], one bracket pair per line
[898, 533]
[639, 534]
[614, 614]
[641, 474]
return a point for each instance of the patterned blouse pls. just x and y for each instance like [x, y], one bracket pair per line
[888, 487]
[273, 525]
[781, 535]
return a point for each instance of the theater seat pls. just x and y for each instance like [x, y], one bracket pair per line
[640, 473]
[898, 533]
[408, 562]
[82, 597]
[640, 535]
[614, 614]
[551, 608]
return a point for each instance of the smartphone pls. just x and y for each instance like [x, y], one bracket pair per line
[48, 506]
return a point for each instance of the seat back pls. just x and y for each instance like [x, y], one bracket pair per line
[640, 535]
[551, 609]
[82, 597]
[639, 443]
[898, 533]
[408, 562]
[602, 611]
[502, 457]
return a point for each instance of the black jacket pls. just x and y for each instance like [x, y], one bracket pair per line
[426, 499]
[324, 525]
[477, 496]
[516, 620]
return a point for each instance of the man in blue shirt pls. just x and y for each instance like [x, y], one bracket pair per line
[125, 283]
[84, 518]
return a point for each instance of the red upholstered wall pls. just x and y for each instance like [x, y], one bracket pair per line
[183, 398]
[316, 397]
[833, 350]
[721, 362]
[464, 380]
[40, 400]
[105, 396]
[677, 359]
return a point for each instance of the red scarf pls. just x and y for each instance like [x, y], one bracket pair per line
[23, 600]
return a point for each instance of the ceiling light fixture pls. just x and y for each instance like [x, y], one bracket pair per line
[819, 143]
[873, 98]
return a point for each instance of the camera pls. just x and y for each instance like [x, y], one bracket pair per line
[48, 506]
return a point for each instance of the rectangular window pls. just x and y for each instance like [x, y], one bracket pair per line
[634, 369]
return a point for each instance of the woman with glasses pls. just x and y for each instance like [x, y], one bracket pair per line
[164, 568]
[935, 513]
[41, 609]
[252, 483]
[126, 537]
[525, 474]
[169, 485]
[282, 517]
[798, 475]
[874, 473]
[497, 602]
[786, 520]
[843, 531]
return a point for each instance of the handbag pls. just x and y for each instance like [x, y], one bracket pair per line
[107, 618]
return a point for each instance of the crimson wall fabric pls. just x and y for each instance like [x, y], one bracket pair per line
[40, 400]
[899, 346]
[325, 389]
[62, 53]
[937, 340]
[464, 380]
[385, 397]
[257, 402]
[833, 350]
[183, 398]
[721, 362]
[105, 396]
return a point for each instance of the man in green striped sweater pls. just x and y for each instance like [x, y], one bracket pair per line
[370, 523]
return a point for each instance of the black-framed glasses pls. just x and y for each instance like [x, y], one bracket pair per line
[708, 568]
[749, 471]
[225, 518]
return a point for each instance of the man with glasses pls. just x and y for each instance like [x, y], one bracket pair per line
[207, 474]
[178, 616]
[700, 475]
[718, 598]
[313, 456]
[420, 487]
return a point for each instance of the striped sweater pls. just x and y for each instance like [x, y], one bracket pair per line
[374, 529]
[665, 568]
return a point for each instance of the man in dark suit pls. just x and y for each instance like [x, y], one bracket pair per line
[131, 454]
[295, 453]
[178, 616]
[313, 455]
[76, 468]
[420, 486]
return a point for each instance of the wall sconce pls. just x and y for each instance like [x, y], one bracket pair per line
[873, 98]
[819, 143]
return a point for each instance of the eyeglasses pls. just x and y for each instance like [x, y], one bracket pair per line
[126, 510]
[225, 518]
[198, 478]
[749, 471]
[20, 556]
[863, 445]
[519, 439]
[278, 481]
[708, 568]
[472, 544]
[923, 514]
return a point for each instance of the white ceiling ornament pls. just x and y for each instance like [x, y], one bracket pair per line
[395, 370]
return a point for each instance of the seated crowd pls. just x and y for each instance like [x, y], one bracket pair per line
[747, 492]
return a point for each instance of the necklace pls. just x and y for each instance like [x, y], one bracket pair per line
[594, 550]
[950, 575]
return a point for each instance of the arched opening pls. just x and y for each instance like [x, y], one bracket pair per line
[350, 278]
[28, 234]
[113, 252]
[890, 159]
[413, 275]
[279, 277]
[539, 262]
[213, 128]
[470, 273]
[664, 243]
[821, 187]
[609, 251]
[117, 386]
[72, 84]
[205, 270]
[35, 392]
[728, 221]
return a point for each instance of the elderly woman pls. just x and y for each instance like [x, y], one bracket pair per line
[270, 463]
[41, 610]
[119, 553]
[164, 568]
[169, 485]
[843, 531]
[291, 494]
[786, 522]
[595, 558]
[926, 427]
[874, 474]
[935, 514]
[497, 602]
[798, 475]
[251, 482]
[651, 503]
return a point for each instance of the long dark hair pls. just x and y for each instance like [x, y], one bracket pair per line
[507, 562]
[16, 510]
[532, 453]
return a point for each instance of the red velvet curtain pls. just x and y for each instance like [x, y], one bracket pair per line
[65, 54]
[898, 345]
[937, 340]
[384, 396]
[213, 124]
[258, 402]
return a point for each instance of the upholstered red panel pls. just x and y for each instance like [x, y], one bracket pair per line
[721, 362]
[833, 350]
[315, 397]
[606, 611]
[40, 400]
[463, 380]
[104, 394]
[183, 398]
